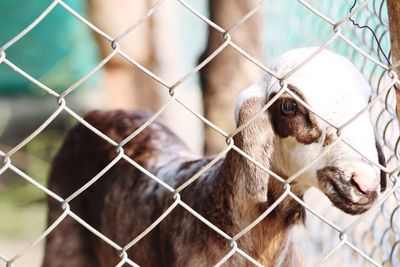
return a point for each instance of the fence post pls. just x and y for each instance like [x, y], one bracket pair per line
[393, 7]
[226, 75]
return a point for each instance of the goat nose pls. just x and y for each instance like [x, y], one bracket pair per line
[364, 185]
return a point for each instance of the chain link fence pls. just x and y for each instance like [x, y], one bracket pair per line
[373, 237]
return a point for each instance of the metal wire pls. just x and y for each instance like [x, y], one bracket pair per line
[385, 120]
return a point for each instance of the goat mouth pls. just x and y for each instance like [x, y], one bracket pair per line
[343, 194]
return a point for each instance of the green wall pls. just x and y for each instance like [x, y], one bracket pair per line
[57, 52]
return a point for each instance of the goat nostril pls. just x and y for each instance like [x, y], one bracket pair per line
[356, 181]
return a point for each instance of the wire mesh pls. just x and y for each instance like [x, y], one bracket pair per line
[381, 246]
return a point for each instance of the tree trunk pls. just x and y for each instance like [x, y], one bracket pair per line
[226, 75]
[394, 27]
[125, 85]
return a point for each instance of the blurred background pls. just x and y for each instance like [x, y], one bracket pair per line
[60, 50]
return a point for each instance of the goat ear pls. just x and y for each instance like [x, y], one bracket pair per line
[255, 91]
[382, 161]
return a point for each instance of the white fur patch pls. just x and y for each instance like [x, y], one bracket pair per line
[256, 90]
[335, 89]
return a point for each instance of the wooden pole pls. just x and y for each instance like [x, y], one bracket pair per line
[126, 86]
[227, 74]
[394, 27]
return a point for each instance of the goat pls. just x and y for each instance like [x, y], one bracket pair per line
[234, 191]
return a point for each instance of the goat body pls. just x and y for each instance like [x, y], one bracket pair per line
[124, 202]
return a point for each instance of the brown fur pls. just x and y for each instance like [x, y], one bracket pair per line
[382, 161]
[124, 202]
[302, 124]
[328, 140]
[332, 179]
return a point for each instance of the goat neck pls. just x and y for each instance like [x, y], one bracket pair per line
[253, 191]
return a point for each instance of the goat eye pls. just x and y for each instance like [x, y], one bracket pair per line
[288, 107]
